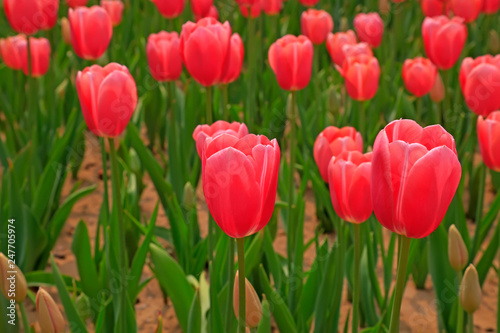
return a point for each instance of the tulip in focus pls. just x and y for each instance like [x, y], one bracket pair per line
[271, 7]
[91, 31]
[370, 28]
[488, 134]
[203, 132]
[316, 25]
[30, 16]
[291, 59]
[114, 8]
[444, 40]
[200, 8]
[467, 9]
[457, 251]
[335, 43]
[490, 6]
[480, 82]
[253, 306]
[437, 92]
[254, 10]
[241, 174]
[164, 57]
[433, 8]
[108, 97]
[10, 51]
[361, 75]
[39, 53]
[76, 3]
[470, 290]
[419, 75]
[19, 281]
[349, 177]
[413, 168]
[333, 141]
[309, 3]
[49, 315]
[169, 8]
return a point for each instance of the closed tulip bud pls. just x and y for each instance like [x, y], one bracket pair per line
[488, 132]
[201, 7]
[419, 75]
[65, 30]
[271, 7]
[413, 167]
[335, 43]
[309, 3]
[361, 75]
[333, 141]
[384, 7]
[12, 288]
[169, 8]
[316, 25]
[164, 57]
[241, 174]
[291, 59]
[457, 251]
[91, 31]
[480, 82]
[76, 3]
[10, 51]
[437, 92]
[30, 16]
[108, 97]
[189, 196]
[49, 316]
[253, 307]
[114, 8]
[494, 42]
[467, 9]
[253, 10]
[212, 12]
[490, 6]
[432, 8]
[444, 40]
[370, 28]
[470, 290]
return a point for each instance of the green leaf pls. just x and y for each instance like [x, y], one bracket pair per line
[40, 278]
[194, 324]
[265, 322]
[486, 262]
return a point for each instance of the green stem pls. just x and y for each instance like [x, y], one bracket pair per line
[362, 117]
[241, 285]
[470, 322]
[400, 282]
[225, 102]
[104, 176]
[356, 286]
[24, 317]
[292, 115]
[208, 119]
[230, 271]
[317, 89]
[122, 252]
[250, 114]
[419, 110]
[446, 100]
[460, 311]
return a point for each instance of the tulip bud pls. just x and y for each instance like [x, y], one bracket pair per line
[253, 307]
[189, 196]
[49, 315]
[470, 290]
[66, 34]
[457, 251]
[437, 92]
[494, 42]
[12, 285]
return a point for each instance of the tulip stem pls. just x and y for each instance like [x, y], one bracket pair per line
[419, 110]
[470, 322]
[404, 247]
[104, 176]
[240, 242]
[357, 259]
[24, 316]
[230, 270]
[209, 119]
[122, 249]
[460, 311]
[225, 102]
[291, 181]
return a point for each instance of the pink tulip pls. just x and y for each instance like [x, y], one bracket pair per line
[433, 8]
[76, 3]
[335, 43]
[169, 8]
[490, 6]
[203, 132]
[164, 57]
[10, 51]
[419, 75]
[370, 28]
[114, 8]
[353, 50]
[235, 60]
[200, 8]
[309, 3]
[469, 10]
[30, 16]
[316, 25]
[361, 75]
[212, 12]
[488, 135]
[39, 53]
[271, 7]
[255, 10]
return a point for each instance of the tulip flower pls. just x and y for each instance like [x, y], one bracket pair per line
[316, 25]
[467, 9]
[108, 97]
[353, 50]
[21, 288]
[39, 56]
[457, 251]
[370, 28]
[335, 43]
[169, 8]
[10, 51]
[361, 75]
[201, 8]
[437, 92]
[247, 3]
[212, 12]
[480, 82]
[49, 315]
[271, 7]
[30, 16]
[254, 10]
[76, 3]
[252, 302]
[444, 40]
[241, 174]
[490, 6]
[291, 58]
[309, 3]
[333, 141]
[91, 31]
[164, 57]
[488, 135]
[419, 75]
[234, 61]
[114, 8]
[433, 8]
[203, 132]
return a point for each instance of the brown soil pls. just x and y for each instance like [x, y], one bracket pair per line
[418, 309]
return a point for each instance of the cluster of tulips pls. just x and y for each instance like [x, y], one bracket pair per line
[407, 179]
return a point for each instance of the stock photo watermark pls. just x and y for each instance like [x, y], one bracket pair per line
[11, 272]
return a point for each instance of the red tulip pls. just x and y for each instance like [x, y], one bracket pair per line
[488, 135]
[240, 178]
[433, 8]
[444, 40]
[108, 97]
[255, 10]
[39, 53]
[419, 75]
[235, 60]
[480, 82]
[316, 25]
[361, 75]
[212, 12]
[114, 8]
[10, 51]
[415, 173]
[331, 142]
[490, 6]
[76, 3]
[291, 58]
[353, 50]
[271, 7]
[247, 3]
[349, 177]
[309, 3]
[370, 28]
[207, 50]
[335, 43]
[164, 57]
[169, 8]
[91, 31]
[201, 8]
[203, 132]
[30, 16]
[467, 9]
